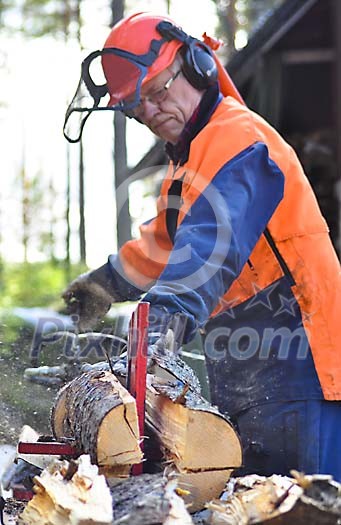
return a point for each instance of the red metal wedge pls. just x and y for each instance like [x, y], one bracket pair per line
[137, 366]
[52, 448]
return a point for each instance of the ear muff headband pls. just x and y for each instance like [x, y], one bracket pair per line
[199, 66]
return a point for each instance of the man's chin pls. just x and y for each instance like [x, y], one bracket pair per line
[167, 132]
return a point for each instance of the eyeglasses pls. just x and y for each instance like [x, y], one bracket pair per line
[155, 98]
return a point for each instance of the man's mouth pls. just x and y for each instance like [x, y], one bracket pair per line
[158, 125]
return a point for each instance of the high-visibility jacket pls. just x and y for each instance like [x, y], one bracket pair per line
[248, 226]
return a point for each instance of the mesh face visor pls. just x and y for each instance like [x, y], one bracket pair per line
[124, 75]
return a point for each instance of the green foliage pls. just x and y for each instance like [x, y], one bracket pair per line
[42, 17]
[11, 327]
[35, 284]
[36, 18]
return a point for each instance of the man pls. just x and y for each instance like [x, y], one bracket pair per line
[238, 248]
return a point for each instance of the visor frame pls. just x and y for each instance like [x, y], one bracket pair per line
[141, 62]
[98, 91]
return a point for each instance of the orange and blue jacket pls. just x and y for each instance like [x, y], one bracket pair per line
[240, 247]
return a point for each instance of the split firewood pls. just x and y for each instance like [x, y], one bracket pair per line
[99, 415]
[197, 441]
[69, 492]
[194, 441]
[148, 499]
[279, 500]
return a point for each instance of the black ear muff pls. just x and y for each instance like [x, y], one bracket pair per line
[199, 66]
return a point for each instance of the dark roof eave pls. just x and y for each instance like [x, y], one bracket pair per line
[280, 22]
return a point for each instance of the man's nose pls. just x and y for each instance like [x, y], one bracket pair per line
[148, 110]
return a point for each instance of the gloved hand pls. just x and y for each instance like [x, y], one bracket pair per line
[90, 296]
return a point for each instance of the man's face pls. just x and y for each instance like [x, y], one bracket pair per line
[167, 103]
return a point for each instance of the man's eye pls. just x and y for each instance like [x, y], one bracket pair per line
[157, 96]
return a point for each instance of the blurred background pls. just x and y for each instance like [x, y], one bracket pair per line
[59, 208]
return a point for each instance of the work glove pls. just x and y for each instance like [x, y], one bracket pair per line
[89, 297]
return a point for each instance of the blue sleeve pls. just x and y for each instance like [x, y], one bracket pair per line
[215, 239]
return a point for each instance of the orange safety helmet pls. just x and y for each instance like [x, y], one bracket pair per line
[137, 49]
[134, 35]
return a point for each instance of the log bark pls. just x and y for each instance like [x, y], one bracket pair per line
[148, 499]
[69, 492]
[99, 414]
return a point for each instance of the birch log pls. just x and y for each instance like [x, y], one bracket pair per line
[99, 414]
[148, 499]
[196, 442]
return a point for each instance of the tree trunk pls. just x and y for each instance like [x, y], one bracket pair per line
[67, 260]
[67, 217]
[82, 241]
[231, 24]
[82, 235]
[25, 205]
[123, 219]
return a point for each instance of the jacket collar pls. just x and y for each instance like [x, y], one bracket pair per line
[179, 152]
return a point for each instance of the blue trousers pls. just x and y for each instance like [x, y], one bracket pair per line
[300, 435]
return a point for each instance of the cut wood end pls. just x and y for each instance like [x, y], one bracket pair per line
[58, 420]
[200, 487]
[194, 439]
[118, 437]
[212, 443]
[100, 415]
